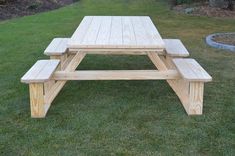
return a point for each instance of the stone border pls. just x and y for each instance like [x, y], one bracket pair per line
[214, 44]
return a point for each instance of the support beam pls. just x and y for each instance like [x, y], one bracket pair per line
[37, 103]
[117, 51]
[195, 98]
[117, 75]
[69, 65]
[189, 93]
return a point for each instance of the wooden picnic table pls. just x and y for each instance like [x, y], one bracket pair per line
[116, 35]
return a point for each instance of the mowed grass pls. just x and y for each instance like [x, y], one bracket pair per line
[115, 117]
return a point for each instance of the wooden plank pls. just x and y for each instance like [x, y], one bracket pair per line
[78, 36]
[41, 71]
[119, 26]
[36, 100]
[70, 64]
[58, 46]
[104, 32]
[195, 105]
[140, 32]
[151, 32]
[175, 48]
[115, 38]
[53, 92]
[157, 61]
[92, 32]
[128, 32]
[73, 64]
[191, 70]
[117, 75]
[121, 50]
[116, 53]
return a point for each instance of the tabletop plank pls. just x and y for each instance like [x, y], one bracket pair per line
[81, 31]
[116, 31]
[92, 32]
[128, 32]
[104, 32]
[124, 32]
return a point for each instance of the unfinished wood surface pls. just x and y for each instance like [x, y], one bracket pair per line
[71, 64]
[157, 61]
[114, 32]
[62, 59]
[179, 86]
[117, 75]
[37, 100]
[175, 48]
[58, 46]
[195, 98]
[191, 70]
[41, 71]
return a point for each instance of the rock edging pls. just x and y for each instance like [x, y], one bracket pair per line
[214, 44]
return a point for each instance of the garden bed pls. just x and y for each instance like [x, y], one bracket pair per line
[15, 8]
[222, 41]
[203, 9]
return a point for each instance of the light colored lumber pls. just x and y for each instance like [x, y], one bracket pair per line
[62, 59]
[115, 37]
[191, 70]
[101, 32]
[71, 64]
[41, 71]
[175, 48]
[58, 46]
[189, 93]
[37, 100]
[195, 105]
[117, 75]
[54, 91]
[104, 31]
[128, 31]
[156, 60]
[113, 51]
[92, 32]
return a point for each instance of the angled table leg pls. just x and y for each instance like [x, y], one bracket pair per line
[54, 87]
[189, 93]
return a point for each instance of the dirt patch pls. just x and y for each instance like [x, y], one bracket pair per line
[16, 8]
[225, 39]
[203, 9]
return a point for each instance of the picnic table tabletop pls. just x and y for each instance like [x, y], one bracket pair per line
[116, 32]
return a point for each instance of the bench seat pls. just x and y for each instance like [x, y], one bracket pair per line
[175, 48]
[191, 70]
[58, 46]
[41, 71]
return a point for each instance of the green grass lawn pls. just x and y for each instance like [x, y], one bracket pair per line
[115, 117]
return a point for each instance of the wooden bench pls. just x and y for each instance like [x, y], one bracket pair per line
[58, 49]
[192, 87]
[39, 80]
[175, 48]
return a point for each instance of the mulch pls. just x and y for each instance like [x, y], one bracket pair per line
[16, 8]
[225, 39]
[203, 9]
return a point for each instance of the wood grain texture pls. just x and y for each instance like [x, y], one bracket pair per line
[191, 70]
[37, 100]
[58, 46]
[71, 63]
[175, 48]
[196, 91]
[41, 71]
[107, 32]
[117, 75]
